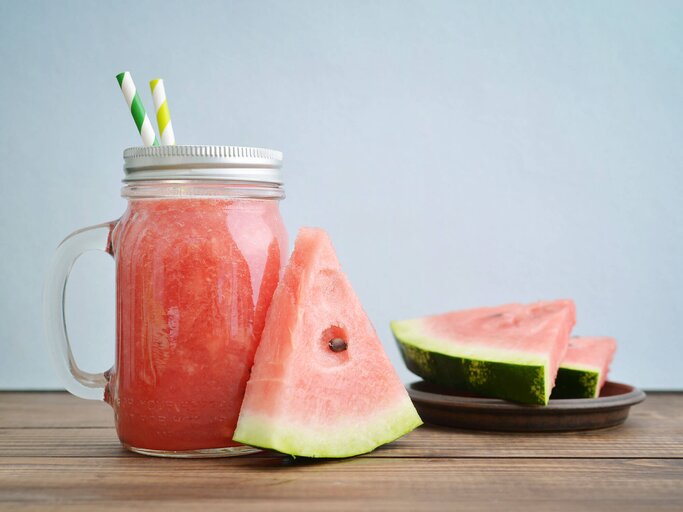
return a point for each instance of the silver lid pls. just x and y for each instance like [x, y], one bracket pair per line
[229, 163]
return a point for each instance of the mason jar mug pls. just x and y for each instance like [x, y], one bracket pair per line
[198, 254]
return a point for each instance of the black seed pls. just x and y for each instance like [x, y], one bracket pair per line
[337, 345]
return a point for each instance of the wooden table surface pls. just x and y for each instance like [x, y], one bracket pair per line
[59, 452]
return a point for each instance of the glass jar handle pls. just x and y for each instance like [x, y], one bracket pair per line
[78, 382]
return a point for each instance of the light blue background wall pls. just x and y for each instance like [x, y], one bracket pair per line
[459, 153]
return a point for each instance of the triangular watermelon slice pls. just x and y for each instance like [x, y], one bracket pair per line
[583, 370]
[511, 351]
[321, 384]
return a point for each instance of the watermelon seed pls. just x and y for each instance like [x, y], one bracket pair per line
[338, 345]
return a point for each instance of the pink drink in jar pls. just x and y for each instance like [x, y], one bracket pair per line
[198, 255]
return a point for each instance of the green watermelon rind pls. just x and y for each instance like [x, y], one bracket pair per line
[576, 382]
[360, 436]
[522, 378]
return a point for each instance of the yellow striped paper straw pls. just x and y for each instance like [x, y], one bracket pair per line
[163, 116]
[134, 102]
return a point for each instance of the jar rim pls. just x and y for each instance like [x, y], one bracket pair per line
[199, 162]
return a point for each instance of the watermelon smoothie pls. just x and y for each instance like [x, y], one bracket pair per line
[195, 277]
[198, 255]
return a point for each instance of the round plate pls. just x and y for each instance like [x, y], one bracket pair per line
[442, 406]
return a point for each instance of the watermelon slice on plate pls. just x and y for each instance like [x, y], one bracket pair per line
[583, 370]
[321, 384]
[511, 351]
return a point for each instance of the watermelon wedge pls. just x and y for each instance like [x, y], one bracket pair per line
[583, 370]
[321, 384]
[511, 352]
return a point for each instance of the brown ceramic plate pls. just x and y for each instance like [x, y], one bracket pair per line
[442, 406]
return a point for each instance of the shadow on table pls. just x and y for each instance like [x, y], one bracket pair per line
[280, 461]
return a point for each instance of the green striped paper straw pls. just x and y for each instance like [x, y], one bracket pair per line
[134, 102]
[163, 116]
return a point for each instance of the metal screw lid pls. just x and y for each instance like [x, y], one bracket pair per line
[229, 163]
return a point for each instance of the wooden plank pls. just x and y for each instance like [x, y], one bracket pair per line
[352, 484]
[52, 409]
[655, 429]
[61, 442]
[638, 438]
[65, 442]
[60, 409]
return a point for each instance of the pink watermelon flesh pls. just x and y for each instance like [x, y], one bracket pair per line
[305, 399]
[584, 368]
[511, 351]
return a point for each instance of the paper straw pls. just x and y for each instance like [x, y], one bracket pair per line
[134, 102]
[163, 116]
